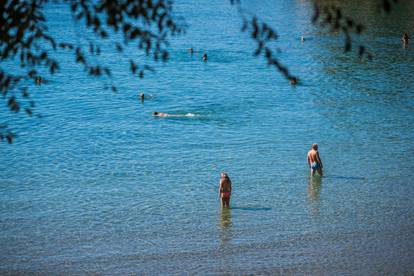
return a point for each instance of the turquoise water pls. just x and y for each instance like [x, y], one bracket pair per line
[100, 186]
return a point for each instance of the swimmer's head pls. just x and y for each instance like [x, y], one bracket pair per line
[315, 146]
[155, 113]
[224, 175]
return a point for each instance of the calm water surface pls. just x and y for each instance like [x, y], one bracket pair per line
[100, 186]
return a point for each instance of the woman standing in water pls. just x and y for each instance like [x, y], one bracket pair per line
[225, 190]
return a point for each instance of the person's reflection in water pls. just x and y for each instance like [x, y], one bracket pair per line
[314, 192]
[225, 226]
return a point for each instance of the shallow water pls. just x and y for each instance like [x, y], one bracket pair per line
[100, 186]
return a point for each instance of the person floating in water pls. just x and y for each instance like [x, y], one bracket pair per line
[293, 81]
[161, 114]
[204, 57]
[225, 190]
[314, 160]
[405, 38]
[142, 97]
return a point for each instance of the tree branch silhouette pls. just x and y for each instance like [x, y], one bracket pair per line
[24, 36]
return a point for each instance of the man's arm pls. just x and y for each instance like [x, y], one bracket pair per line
[219, 188]
[309, 161]
[319, 159]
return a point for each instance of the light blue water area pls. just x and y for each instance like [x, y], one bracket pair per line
[98, 185]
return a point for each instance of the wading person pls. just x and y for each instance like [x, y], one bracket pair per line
[225, 190]
[314, 160]
[405, 38]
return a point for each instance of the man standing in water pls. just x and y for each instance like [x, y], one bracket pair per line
[314, 160]
[225, 190]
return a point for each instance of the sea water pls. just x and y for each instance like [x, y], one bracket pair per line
[98, 185]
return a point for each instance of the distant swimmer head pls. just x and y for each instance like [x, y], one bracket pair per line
[315, 146]
[302, 38]
[224, 175]
[155, 113]
[293, 81]
[204, 57]
[38, 80]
